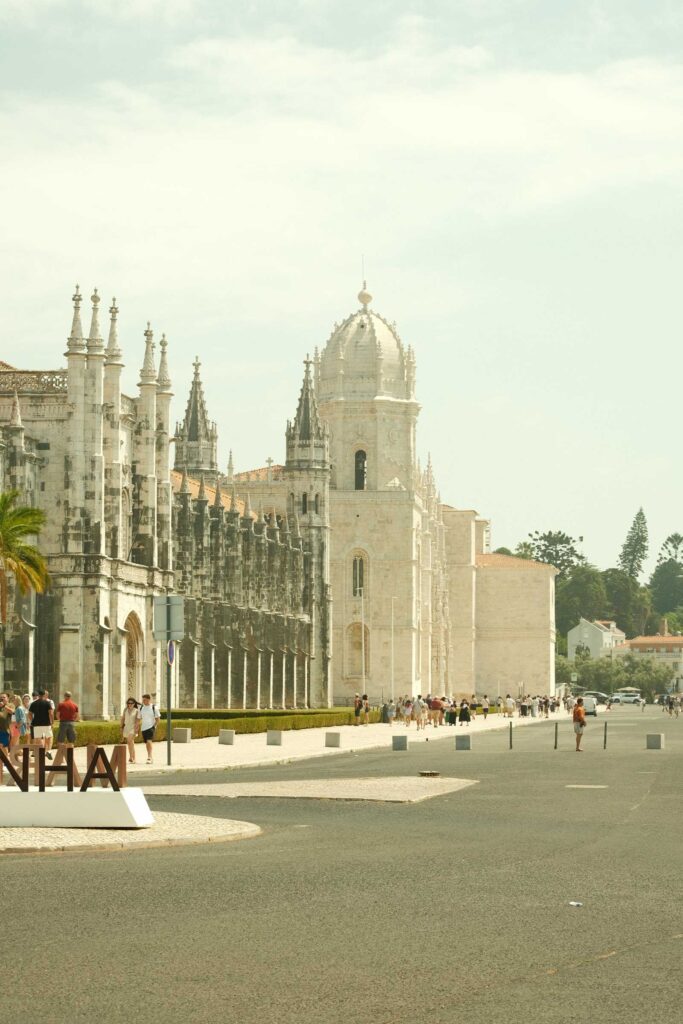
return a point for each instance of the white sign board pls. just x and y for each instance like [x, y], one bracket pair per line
[169, 618]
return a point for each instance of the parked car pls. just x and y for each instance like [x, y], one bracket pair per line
[630, 698]
[600, 697]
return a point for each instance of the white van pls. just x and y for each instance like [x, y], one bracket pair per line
[590, 706]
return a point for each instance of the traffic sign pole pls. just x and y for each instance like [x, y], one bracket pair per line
[169, 672]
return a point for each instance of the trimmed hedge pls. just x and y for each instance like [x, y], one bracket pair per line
[104, 733]
[222, 714]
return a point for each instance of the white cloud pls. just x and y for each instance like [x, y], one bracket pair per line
[33, 12]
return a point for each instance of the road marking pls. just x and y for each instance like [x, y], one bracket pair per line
[586, 787]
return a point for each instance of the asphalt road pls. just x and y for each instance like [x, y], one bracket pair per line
[454, 909]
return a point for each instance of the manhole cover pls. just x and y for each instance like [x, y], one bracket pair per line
[430, 775]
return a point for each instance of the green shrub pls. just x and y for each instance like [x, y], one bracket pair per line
[105, 733]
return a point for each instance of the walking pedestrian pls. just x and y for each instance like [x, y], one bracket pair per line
[365, 709]
[41, 715]
[485, 707]
[149, 719]
[6, 711]
[464, 713]
[130, 726]
[357, 708]
[67, 716]
[21, 717]
[579, 719]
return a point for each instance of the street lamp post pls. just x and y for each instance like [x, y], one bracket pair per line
[362, 639]
[393, 601]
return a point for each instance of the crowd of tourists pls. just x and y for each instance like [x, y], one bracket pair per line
[436, 711]
[31, 718]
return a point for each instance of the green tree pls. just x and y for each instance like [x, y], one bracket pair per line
[675, 620]
[648, 675]
[524, 550]
[671, 548]
[563, 671]
[19, 558]
[666, 586]
[634, 549]
[580, 594]
[628, 603]
[502, 551]
[556, 548]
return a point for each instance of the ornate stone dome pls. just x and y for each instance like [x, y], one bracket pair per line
[365, 358]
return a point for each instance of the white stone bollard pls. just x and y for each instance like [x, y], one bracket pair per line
[399, 742]
[226, 736]
[333, 739]
[654, 741]
[463, 742]
[182, 735]
[274, 738]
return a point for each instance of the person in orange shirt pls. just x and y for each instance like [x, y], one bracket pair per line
[579, 719]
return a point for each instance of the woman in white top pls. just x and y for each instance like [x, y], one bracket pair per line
[130, 726]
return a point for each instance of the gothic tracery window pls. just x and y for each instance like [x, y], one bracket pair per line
[361, 470]
[358, 575]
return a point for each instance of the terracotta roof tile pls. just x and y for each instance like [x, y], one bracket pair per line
[497, 561]
[277, 473]
[655, 641]
[194, 485]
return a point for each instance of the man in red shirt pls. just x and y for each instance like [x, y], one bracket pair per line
[67, 715]
[579, 719]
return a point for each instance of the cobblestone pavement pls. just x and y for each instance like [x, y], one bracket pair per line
[386, 789]
[168, 830]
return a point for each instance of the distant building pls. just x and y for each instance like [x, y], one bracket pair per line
[662, 649]
[600, 637]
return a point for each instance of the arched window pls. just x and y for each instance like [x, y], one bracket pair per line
[358, 575]
[124, 541]
[304, 503]
[361, 470]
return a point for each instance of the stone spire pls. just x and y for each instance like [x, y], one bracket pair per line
[307, 426]
[113, 352]
[218, 496]
[231, 467]
[163, 380]
[184, 483]
[233, 498]
[148, 374]
[196, 436]
[95, 342]
[15, 415]
[76, 341]
[247, 507]
[202, 489]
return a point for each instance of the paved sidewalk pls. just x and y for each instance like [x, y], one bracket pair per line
[251, 750]
[169, 829]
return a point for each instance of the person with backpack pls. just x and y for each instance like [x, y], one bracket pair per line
[149, 718]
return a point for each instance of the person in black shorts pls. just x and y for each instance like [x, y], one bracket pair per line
[149, 716]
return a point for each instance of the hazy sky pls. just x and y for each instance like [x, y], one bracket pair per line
[511, 170]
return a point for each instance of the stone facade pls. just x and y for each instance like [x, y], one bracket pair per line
[419, 603]
[97, 461]
[339, 570]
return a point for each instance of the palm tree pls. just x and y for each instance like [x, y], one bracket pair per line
[17, 557]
